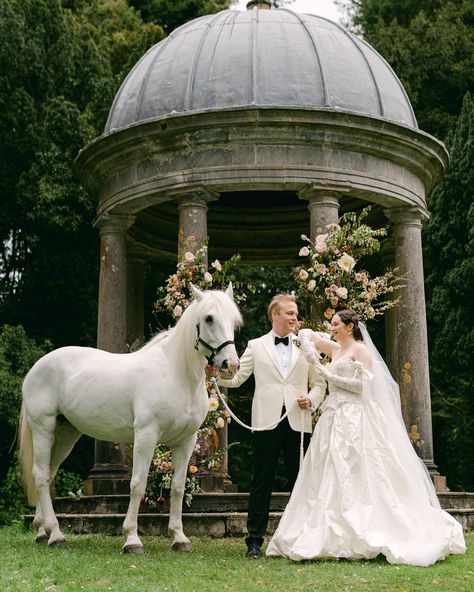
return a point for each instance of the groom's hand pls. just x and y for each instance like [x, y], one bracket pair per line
[303, 402]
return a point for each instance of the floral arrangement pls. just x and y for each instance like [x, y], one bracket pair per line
[174, 298]
[332, 279]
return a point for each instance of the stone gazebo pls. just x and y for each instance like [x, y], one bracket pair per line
[253, 127]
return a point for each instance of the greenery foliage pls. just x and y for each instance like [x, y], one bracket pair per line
[18, 353]
[449, 241]
[430, 46]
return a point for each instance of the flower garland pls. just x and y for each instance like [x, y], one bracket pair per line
[332, 280]
[173, 298]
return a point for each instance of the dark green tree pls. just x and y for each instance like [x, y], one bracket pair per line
[430, 45]
[60, 68]
[17, 354]
[171, 15]
[449, 241]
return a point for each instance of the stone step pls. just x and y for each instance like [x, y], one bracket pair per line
[202, 502]
[210, 502]
[213, 514]
[214, 524]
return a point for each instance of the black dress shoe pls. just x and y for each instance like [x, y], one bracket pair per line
[253, 551]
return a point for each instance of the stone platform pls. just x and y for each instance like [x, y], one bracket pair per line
[210, 514]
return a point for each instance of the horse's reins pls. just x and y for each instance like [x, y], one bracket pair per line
[214, 350]
[267, 427]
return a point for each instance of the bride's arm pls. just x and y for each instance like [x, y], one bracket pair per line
[311, 340]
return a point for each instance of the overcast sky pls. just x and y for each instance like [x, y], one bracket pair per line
[324, 8]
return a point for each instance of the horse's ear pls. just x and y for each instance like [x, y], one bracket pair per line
[230, 291]
[197, 294]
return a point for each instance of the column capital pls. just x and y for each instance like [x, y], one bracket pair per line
[108, 223]
[198, 197]
[323, 193]
[408, 216]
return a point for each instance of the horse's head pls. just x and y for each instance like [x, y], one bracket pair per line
[217, 318]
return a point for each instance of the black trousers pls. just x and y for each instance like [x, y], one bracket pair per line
[268, 445]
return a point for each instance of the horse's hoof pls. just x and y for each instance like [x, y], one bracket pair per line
[137, 549]
[41, 538]
[183, 547]
[61, 543]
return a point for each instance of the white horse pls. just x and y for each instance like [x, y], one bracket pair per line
[156, 394]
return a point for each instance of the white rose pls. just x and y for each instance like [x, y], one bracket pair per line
[213, 403]
[220, 423]
[321, 238]
[341, 292]
[346, 262]
[217, 265]
[189, 257]
[177, 310]
[311, 285]
[303, 274]
[304, 252]
[208, 278]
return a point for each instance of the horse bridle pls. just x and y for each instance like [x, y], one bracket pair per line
[214, 350]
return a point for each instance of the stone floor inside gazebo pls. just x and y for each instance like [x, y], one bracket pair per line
[210, 514]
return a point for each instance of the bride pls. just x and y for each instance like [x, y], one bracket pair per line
[362, 489]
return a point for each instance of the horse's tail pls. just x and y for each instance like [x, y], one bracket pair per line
[26, 458]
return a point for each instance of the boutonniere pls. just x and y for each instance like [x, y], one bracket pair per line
[295, 340]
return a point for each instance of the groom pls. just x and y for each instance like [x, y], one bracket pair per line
[283, 381]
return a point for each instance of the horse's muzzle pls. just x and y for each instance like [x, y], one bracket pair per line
[228, 368]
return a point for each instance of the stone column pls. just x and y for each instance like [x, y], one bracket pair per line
[135, 295]
[110, 474]
[323, 206]
[192, 208]
[390, 317]
[412, 371]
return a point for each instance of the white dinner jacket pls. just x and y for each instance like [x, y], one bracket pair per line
[273, 388]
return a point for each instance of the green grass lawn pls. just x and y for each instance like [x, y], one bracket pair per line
[95, 562]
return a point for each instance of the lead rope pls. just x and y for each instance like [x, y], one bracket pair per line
[267, 427]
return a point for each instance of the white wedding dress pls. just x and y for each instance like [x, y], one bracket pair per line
[353, 497]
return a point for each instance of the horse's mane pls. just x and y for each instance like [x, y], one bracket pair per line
[155, 339]
[184, 332]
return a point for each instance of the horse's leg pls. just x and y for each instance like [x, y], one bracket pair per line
[180, 455]
[65, 436]
[143, 448]
[43, 436]
[41, 535]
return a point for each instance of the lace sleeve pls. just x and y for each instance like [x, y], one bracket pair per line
[353, 384]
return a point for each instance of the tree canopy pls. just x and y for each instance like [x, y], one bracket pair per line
[449, 253]
[430, 46]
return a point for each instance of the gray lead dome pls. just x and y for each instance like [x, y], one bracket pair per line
[260, 58]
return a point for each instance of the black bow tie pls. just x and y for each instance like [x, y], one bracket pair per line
[284, 340]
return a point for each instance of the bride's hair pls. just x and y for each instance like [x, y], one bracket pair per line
[350, 316]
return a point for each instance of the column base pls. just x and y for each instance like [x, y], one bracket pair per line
[212, 483]
[439, 481]
[107, 480]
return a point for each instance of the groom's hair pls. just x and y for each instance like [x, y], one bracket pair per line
[276, 301]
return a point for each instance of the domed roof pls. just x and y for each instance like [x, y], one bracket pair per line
[260, 58]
